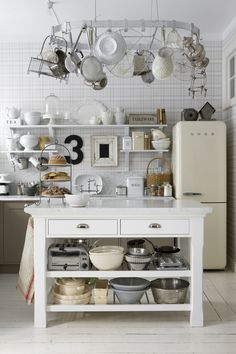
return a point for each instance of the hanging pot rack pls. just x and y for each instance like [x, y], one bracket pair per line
[126, 25]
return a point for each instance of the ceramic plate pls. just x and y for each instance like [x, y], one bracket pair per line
[82, 180]
[88, 110]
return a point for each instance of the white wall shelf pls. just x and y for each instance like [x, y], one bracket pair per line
[99, 126]
[123, 273]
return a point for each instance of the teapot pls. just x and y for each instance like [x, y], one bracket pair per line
[13, 112]
[157, 134]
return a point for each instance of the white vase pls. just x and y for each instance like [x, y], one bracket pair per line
[162, 66]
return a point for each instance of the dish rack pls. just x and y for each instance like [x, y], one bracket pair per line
[157, 178]
[67, 165]
[43, 67]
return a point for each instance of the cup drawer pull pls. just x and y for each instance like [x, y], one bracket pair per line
[154, 226]
[82, 226]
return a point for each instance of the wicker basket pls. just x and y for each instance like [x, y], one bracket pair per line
[157, 178]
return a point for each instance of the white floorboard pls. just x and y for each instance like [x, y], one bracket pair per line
[126, 333]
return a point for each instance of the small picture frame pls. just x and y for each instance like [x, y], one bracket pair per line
[104, 151]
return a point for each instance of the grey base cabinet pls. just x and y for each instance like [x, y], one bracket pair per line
[12, 234]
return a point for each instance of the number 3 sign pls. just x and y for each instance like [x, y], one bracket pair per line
[76, 149]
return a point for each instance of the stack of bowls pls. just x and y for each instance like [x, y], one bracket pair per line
[129, 290]
[71, 291]
[138, 258]
[161, 144]
[107, 257]
[32, 118]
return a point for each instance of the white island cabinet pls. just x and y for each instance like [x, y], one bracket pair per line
[120, 218]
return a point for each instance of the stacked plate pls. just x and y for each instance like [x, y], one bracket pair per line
[71, 291]
[129, 290]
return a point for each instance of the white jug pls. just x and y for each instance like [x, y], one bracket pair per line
[13, 112]
[107, 117]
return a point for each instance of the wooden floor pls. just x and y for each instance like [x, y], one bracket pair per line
[122, 332]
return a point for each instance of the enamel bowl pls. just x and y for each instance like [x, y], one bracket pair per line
[77, 200]
[29, 142]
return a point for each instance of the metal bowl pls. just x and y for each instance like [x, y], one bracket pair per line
[138, 266]
[129, 297]
[138, 251]
[169, 290]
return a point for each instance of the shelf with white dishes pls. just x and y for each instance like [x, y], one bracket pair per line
[85, 126]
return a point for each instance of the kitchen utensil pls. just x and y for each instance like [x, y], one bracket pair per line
[159, 176]
[169, 262]
[160, 144]
[121, 190]
[35, 162]
[70, 286]
[163, 249]
[169, 290]
[59, 68]
[90, 67]
[189, 114]
[139, 242]
[91, 184]
[207, 111]
[101, 84]
[77, 200]
[124, 68]
[4, 189]
[107, 117]
[72, 61]
[89, 109]
[138, 251]
[13, 112]
[148, 77]
[95, 120]
[135, 186]
[138, 265]
[4, 178]
[30, 190]
[10, 143]
[110, 47]
[29, 141]
[120, 116]
[174, 39]
[129, 283]
[107, 257]
[22, 163]
[129, 297]
[157, 134]
[32, 118]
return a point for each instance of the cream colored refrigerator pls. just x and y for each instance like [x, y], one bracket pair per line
[199, 173]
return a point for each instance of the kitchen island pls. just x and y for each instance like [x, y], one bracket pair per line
[119, 218]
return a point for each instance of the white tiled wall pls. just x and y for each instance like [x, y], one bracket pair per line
[29, 91]
[230, 120]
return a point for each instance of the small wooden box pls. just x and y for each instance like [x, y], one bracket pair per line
[142, 119]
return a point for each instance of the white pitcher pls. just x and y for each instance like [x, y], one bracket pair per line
[13, 112]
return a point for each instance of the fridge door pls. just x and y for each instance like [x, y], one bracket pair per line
[214, 250]
[199, 161]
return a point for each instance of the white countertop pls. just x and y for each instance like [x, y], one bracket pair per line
[17, 198]
[117, 207]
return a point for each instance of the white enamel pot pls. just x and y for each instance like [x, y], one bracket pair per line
[162, 66]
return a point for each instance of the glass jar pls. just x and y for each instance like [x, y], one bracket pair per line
[147, 141]
[153, 190]
[52, 105]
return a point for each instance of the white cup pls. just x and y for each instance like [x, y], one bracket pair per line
[120, 115]
[35, 162]
[11, 143]
[107, 117]
[4, 177]
[94, 120]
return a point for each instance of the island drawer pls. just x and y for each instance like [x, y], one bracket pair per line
[154, 227]
[82, 227]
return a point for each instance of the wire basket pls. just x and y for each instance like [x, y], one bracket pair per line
[157, 178]
[44, 67]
